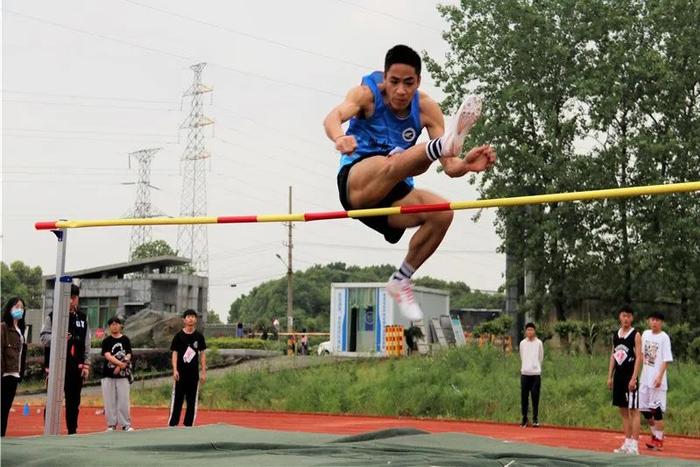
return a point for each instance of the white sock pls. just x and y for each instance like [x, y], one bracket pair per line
[654, 431]
[633, 443]
[659, 435]
[628, 442]
[406, 271]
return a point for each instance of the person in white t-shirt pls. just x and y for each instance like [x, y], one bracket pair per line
[656, 355]
[531, 356]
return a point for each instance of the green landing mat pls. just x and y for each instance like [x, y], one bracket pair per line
[227, 445]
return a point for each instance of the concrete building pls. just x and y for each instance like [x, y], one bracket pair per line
[124, 289]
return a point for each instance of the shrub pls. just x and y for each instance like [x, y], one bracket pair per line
[244, 343]
[682, 337]
[567, 331]
[498, 327]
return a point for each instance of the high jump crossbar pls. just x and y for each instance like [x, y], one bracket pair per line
[390, 211]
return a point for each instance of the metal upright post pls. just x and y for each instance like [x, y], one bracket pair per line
[59, 329]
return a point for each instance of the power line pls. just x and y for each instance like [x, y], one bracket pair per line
[88, 106]
[248, 35]
[173, 55]
[387, 15]
[82, 96]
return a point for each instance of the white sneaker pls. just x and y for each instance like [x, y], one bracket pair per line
[632, 450]
[624, 449]
[110, 428]
[458, 128]
[402, 293]
[128, 428]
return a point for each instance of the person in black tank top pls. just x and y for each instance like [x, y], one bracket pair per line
[622, 378]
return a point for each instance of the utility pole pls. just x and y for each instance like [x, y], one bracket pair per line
[290, 289]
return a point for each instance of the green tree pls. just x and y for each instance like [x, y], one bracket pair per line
[585, 95]
[153, 249]
[160, 248]
[213, 318]
[21, 280]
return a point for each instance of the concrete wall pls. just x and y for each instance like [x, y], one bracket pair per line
[35, 319]
[165, 292]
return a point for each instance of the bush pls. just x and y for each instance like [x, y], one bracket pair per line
[497, 327]
[682, 337]
[567, 332]
[244, 343]
[694, 352]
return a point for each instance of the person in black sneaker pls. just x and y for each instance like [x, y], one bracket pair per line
[531, 356]
[188, 348]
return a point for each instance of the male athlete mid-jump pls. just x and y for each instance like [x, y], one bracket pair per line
[379, 157]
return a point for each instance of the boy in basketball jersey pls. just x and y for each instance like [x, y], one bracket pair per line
[380, 156]
[622, 379]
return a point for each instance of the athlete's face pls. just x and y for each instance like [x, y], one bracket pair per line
[530, 333]
[400, 85]
[625, 319]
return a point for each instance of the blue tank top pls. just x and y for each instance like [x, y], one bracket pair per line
[383, 132]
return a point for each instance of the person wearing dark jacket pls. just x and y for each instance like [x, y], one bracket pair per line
[77, 357]
[14, 353]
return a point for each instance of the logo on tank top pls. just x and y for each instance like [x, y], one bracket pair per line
[408, 134]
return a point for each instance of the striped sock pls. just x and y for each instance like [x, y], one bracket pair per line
[434, 149]
[404, 272]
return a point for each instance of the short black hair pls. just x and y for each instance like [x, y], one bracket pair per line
[626, 309]
[530, 325]
[74, 290]
[189, 312]
[657, 315]
[114, 319]
[402, 54]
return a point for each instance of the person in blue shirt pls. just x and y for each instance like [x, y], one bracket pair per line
[380, 156]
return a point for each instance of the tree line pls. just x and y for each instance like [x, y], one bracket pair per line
[583, 95]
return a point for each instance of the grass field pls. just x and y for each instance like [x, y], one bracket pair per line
[464, 383]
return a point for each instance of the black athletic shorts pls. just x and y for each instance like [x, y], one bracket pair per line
[380, 223]
[622, 396]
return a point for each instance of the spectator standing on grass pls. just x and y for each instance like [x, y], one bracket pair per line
[188, 348]
[622, 379]
[656, 354]
[531, 356]
[14, 353]
[116, 376]
[77, 356]
[304, 343]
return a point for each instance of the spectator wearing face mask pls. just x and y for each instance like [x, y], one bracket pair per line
[14, 353]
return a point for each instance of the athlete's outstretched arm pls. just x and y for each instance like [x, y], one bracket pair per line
[355, 101]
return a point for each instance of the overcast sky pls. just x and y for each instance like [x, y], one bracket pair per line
[87, 82]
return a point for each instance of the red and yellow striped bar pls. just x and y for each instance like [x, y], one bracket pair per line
[392, 211]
